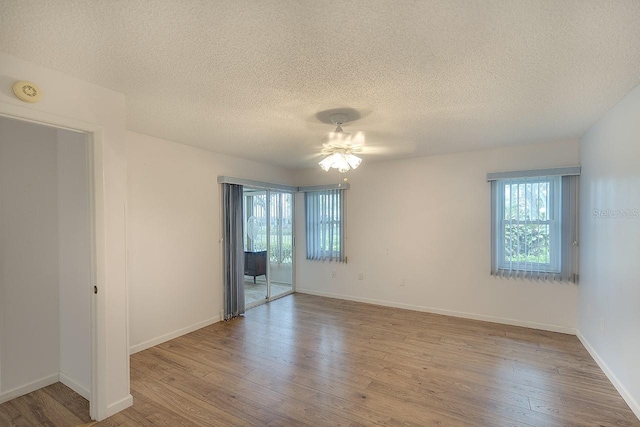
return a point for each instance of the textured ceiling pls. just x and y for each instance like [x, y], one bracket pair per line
[247, 78]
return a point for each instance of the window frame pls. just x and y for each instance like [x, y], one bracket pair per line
[554, 222]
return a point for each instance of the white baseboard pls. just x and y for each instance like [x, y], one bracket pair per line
[118, 406]
[75, 386]
[28, 388]
[633, 404]
[171, 335]
[505, 321]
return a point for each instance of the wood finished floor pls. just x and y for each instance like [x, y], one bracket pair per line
[306, 360]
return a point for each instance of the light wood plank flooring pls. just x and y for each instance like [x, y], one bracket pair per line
[306, 360]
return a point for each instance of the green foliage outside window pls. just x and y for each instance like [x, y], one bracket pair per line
[526, 226]
[527, 243]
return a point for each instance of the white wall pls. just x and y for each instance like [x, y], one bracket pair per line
[610, 248]
[82, 105]
[29, 352]
[419, 232]
[74, 261]
[174, 232]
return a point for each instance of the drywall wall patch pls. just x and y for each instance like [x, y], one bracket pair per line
[27, 91]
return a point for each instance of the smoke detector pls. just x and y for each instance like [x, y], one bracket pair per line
[27, 91]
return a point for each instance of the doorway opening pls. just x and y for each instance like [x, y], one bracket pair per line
[268, 245]
[47, 260]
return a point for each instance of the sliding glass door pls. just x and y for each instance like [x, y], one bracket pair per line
[255, 246]
[280, 243]
[268, 244]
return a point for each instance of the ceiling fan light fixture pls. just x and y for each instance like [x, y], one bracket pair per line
[341, 161]
[339, 147]
[326, 163]
[354, 161]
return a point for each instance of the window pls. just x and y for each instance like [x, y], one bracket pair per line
[324, 212]
[529, 229]
[534, 225]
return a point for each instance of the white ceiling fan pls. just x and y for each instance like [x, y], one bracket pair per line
[341, 150]
[339, 147]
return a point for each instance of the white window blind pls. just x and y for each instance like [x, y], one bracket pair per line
[325, 213]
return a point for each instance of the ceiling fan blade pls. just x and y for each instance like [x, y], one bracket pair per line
[382, 144]
[358, 139]
[389, 152]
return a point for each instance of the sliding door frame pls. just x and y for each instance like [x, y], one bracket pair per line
[268, 192]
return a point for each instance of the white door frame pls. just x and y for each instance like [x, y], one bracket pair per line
[98, 398]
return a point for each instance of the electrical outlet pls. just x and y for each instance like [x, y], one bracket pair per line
[333, 274]
[360, 276]
[602, 324]
[402, 282]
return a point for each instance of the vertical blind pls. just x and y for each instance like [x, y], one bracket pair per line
[233, 250]
[535, 227]
[325, 232]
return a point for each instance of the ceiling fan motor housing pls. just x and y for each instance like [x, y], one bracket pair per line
[338, 119]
